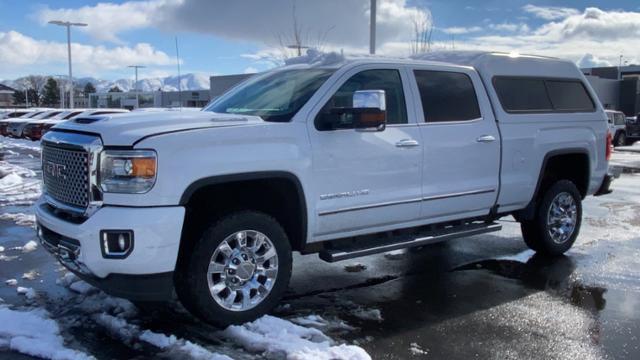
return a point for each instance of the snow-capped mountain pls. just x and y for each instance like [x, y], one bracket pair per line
[192, 81]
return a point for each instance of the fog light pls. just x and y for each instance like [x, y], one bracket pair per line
[116, 244]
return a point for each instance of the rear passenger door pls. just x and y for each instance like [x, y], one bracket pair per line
[461, 144]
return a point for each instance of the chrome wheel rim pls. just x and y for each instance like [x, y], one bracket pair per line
[242, 270]
[562, 218]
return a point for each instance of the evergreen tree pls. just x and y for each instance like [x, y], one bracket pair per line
[115, 89]
[34, 97]
[18, 97]
[89, 88]
[51, 93]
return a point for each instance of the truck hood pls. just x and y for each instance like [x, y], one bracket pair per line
[126, 129]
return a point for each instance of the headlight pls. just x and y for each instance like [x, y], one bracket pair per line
[127, 171]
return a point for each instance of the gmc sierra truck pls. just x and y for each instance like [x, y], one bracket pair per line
[335, 156]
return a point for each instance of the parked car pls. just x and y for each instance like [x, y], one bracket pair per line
[35, 129]
[14, 128]
[633, 129]
[344, 159]
[13, 113]
[617, 127]
[4, 124]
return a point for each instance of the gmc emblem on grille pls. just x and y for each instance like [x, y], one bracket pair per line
[55, 170]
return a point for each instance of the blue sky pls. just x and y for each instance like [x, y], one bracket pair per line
[225, 37]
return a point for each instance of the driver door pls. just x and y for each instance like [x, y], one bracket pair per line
[366, 180]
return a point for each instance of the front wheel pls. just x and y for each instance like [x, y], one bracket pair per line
[557, 222]
[621, 140]
[238, 271]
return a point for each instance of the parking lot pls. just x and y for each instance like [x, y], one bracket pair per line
[485, 296]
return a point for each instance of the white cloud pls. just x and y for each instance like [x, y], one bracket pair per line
[20, 51]
[106, 20]
[456, 30]
[250, 70]
[550, 12]
[336, 22]
[606, 34]
[510, 27]
[589, 61]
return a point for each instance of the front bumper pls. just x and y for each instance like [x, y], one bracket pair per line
[144, 274]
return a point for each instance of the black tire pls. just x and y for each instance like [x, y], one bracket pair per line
[536, 232]
[191, 281]
[621, 139]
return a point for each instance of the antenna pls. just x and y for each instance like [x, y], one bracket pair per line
[179, 78]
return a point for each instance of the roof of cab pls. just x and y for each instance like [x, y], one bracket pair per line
[486, 63]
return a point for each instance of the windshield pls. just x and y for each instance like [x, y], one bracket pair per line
[274, 97]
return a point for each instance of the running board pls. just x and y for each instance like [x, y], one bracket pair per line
[351, 251]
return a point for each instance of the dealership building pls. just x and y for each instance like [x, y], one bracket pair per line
[618, 87]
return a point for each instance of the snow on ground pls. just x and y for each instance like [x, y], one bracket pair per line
[21, 219]
[30, 246]
[273, 336]
[29, 293]
[32, 332]
[18, 185]
[20, 144]
[368, 314]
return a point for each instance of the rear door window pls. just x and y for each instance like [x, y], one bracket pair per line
[447, 96]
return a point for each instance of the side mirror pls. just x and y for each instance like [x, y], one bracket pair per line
[370, 109]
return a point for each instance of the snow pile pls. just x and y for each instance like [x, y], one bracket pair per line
[82, 287]
[10, 180]
[179, 346]
[34, 333]
[18, 185]
[30, 275]
[28, 247]
[368, 314]
[29, 293]
[20, 144]
[416, 350]
[11, 282]
[277, 337]
[395, 254]
[19, 218]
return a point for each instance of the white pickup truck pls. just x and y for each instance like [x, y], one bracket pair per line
[313, 157]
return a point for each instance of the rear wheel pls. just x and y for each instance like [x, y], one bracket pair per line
[557, 221]
[238, 271]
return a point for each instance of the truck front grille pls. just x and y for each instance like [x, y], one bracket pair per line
[65, 173]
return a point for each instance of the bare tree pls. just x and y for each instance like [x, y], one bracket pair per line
[293, 44]
[36, 81]
[422, 32]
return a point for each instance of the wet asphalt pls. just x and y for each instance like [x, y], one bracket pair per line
[483, 297]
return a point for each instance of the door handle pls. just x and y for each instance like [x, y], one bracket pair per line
[486, 139]
[406, 143]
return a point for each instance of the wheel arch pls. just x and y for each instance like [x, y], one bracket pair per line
[551, 171]
[281, 185]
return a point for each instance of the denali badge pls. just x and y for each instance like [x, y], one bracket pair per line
[55, 170]
[344, 194]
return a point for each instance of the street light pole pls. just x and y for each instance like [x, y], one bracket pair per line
[372, 28]
[135, 85]
[68, 25]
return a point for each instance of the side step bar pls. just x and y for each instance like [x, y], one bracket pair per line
[357, 250]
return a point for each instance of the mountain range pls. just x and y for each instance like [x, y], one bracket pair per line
[191, 81]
